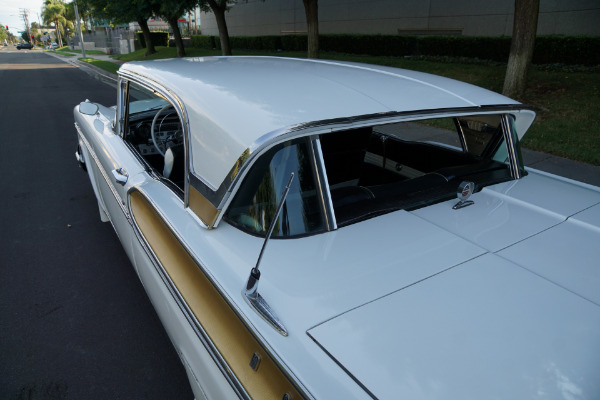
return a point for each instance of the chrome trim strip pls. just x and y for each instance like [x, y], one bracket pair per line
[188, 313]
[509, 138]
[103, 172]
[120, 111]
[316, 155]
[461, 135]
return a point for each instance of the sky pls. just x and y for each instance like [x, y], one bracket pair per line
[10, 13]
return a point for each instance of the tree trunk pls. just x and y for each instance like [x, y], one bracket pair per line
[143, 23]
[219, 10]
[177, 35]
[58, 36]
[311, 9]
[521, 47]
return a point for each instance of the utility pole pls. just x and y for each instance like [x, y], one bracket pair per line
[24, 13]
[79, 29]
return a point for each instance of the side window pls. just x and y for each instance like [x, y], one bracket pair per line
[407, 165]
[154, 131]
[255, 203]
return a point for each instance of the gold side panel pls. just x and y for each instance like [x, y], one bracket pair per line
[227, 332]
[202, 207]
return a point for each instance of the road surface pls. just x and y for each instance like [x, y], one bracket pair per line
[75, 322]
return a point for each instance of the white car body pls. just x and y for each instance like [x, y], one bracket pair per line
[499, 299]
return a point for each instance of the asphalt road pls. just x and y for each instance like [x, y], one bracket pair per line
[75, 322]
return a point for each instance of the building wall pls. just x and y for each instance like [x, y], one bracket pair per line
[453, 17]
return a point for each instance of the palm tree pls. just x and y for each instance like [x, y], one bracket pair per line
[54, 12]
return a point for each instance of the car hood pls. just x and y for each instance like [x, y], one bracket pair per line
[519, 320]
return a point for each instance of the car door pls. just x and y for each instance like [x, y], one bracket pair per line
[113, 168]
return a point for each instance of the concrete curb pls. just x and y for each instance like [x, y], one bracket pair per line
[91, 69]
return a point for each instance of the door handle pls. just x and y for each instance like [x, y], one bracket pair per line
[120, 175]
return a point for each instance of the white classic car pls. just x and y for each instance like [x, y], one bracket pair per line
[326, 230]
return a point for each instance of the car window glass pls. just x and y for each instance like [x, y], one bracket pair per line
[408, 165]
[256, 201]
[155, 132]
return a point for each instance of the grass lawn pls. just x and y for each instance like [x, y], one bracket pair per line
[567, 103]
[105, 65]
[66, 51]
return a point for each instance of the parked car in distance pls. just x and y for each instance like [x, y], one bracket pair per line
[24, 45]
[313, 229]
[53, 46]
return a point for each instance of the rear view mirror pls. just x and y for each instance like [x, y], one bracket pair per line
[88, 108]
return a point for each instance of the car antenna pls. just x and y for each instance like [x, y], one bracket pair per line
[251, 291]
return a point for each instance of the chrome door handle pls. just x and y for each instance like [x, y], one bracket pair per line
[120, 175]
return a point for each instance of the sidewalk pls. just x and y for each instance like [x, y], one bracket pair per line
[575, 170]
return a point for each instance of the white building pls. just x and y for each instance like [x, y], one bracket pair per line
[445, 17]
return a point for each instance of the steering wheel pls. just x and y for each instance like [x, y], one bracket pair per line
[161, 149]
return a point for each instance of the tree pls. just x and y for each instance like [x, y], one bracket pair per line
[3, 33]
[127, 11]
[54, 12]
[521, 47]
[311, 9]
[143, 23]
[219, 7]
[171, 10]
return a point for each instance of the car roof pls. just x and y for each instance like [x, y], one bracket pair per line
[232, 103]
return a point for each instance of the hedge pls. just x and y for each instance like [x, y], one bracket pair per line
[158, 38]
[203, 41]
[555, 49]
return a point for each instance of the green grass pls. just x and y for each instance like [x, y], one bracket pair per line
[105, 65]
[66, 51]
[567, 103]
[165, 52]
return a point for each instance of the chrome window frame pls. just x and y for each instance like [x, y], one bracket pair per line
[125, 79]
[323, 127]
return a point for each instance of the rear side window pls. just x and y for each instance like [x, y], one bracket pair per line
[407, 165]
[255, 203]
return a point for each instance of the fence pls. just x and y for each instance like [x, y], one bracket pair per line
[110, 41]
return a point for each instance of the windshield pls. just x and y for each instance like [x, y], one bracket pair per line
[142, 99]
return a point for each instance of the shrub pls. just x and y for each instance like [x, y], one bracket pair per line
[570, 50]
[555, 49]
[203, 41]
